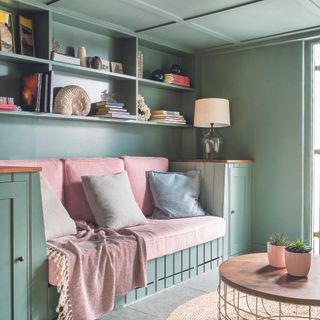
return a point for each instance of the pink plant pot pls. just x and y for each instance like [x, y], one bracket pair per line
[276, 255]
[298, 264]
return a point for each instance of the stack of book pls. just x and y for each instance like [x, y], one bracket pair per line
[140, 64]
[64, 58]
[166, 116]
[7, 103]
[177, 79]
[115, 110]
[36, 94]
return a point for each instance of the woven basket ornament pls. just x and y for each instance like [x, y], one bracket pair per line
[72, 100]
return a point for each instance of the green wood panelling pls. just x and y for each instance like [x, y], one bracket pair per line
[239, 210]
[176, 267]
[25, 282]
[225, 188]
[265, 86]
[13, 273]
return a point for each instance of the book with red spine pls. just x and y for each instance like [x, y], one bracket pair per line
[12, 107]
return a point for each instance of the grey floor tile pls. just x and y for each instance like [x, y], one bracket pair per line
[164, 302]
[127, 313]
[161, 304]
[207, 282]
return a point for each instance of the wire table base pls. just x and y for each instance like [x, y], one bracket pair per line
[236, 305]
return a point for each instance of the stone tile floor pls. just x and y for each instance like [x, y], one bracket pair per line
[160, 305]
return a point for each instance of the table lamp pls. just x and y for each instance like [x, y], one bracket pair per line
[211, 113]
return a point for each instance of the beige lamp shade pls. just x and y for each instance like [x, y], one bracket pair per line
[212, 111]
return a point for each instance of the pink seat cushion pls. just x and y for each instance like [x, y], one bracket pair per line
[164, 237]
[74, 169]
[136, 168]
[52, 169]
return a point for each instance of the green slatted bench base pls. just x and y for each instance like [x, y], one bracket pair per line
[163, 272]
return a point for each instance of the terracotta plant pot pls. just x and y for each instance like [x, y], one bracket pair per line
[276, 255]
[298, 264]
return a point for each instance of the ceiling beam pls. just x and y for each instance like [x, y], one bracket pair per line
[248, 3]
[52, 2]
[153, 9]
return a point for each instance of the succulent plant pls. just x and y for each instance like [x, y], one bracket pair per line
[279, 239]
[298, 246]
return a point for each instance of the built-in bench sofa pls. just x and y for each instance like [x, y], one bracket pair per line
[177, 249]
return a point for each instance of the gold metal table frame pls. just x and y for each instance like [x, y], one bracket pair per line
[250, 289]
[236, 305]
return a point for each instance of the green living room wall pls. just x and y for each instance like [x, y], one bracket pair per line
[265, 89]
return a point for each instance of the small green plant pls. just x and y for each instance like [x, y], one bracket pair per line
[279, 239]
[298, 246]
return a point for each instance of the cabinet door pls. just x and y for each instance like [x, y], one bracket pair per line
[13, 251]
[239, 223]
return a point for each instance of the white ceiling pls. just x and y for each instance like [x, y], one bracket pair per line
[202, 24]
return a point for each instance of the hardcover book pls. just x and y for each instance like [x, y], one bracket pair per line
[31, 92]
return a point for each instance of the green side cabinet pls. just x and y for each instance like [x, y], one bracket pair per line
[23, 265]
[226, 192]
[237, 207]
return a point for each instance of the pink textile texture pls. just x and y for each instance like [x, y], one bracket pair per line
[164, 237]
[102, 264]
[74, 168]
[52, 169]
[136, 168]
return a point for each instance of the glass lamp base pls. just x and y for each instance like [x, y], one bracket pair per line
[211, 143]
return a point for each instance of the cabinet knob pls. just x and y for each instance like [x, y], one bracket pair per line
[20, 259]
[233, 212]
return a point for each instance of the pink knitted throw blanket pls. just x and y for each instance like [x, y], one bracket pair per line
[94, 267]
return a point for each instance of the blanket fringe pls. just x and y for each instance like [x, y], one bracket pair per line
[64, 306]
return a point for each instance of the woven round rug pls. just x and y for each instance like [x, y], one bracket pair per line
[204, 307]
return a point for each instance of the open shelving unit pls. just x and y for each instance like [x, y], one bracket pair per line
[103, 40]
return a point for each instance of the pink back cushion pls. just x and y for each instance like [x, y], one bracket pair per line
[74, 168]
[136, 168]
[52, 169]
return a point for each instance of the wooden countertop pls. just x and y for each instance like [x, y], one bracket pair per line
[216, 161]
[9, 169]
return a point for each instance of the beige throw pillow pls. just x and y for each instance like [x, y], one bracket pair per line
[57, 222]
[111, 201]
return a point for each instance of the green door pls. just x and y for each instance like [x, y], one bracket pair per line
[239, 209]
[13, 251]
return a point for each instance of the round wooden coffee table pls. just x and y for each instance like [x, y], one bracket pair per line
[250, 288]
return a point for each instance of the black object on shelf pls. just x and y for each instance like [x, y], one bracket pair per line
[157, 75]
[176, 69]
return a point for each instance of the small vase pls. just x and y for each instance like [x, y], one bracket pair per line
[276, 255]
[298, 264]
[82, 55]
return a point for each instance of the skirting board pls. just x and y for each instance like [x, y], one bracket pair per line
[163, 272]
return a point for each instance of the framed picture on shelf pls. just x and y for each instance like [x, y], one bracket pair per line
[116, 67]
[105, 65]
[26, 36]
[6, 32]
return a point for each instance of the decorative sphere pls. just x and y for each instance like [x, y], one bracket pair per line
[176, 69]
[157, 75]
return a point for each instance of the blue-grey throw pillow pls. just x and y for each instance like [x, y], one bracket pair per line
[175, 194]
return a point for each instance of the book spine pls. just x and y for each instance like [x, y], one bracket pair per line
[38, 97]
[44, 100]
[8, 107]
[50, 92]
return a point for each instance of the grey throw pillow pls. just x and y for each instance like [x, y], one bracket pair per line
[175, 194]
[111, 201]
[57, 222]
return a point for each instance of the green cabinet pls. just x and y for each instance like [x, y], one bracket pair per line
[23, 265]
[226, 192]
[237, 208]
